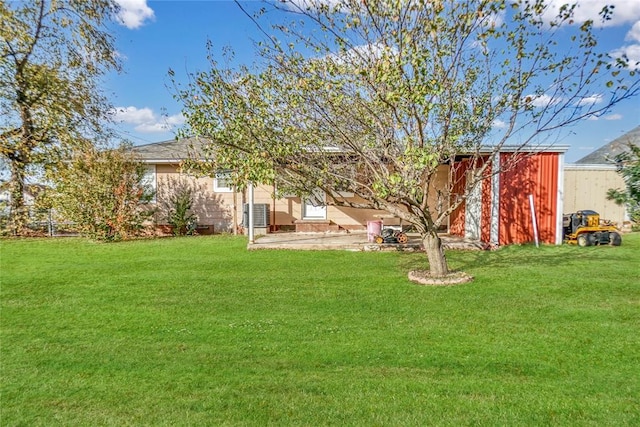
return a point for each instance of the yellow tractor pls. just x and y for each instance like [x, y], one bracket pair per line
[584, 229]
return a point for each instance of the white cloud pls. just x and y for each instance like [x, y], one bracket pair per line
[495, 19]
[541, 101]
[134, 13]
[146, 121]
[631, 51]
[634, 33]
[120, 55]
[176, 119]
[133, 115]
[633, 54]
[499, 124]
[362, 54]
[624, 11]
[590, 100]
[155, 127]
[595, 117]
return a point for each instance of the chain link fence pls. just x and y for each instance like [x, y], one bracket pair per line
[40, 222]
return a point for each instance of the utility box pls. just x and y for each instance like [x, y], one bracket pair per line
[261, 217]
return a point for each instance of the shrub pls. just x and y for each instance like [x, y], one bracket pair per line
[102, 191]
[175, 202]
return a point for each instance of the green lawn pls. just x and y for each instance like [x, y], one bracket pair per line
[200, 331]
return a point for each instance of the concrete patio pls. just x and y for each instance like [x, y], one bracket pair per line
[353, 241]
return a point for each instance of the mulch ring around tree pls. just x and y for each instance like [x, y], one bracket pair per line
[423, 277]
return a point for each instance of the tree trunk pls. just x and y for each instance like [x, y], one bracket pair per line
[18, 219]
[435, 254]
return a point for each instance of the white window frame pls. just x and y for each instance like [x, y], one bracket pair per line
[221, 178]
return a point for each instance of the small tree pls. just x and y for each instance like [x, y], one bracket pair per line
[175, 201]
[372, 97]
[103, 192]
[629, 168]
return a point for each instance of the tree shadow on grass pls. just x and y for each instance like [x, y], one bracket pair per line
[546, 256]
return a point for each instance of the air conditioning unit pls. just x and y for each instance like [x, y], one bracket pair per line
[261, 215]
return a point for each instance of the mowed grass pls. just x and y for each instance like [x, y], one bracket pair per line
[200, 331]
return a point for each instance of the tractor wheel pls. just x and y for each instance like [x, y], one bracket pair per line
[615, 239]
[583, 240]
[378, 239]
[402, 238]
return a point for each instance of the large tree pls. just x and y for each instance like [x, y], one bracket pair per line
[52, 55]
[372, 97]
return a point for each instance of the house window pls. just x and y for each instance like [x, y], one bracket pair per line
[315, 206]
[222, 182]
[148, 182]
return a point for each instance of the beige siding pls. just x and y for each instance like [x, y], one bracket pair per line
[286, 211]
[355, 218]
[586, 186]
[212, 208]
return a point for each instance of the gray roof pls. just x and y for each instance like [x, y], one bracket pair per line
[607, 153]
[171, 151]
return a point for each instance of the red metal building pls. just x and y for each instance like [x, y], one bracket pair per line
[512, 206]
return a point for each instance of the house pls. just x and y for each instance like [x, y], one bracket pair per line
[499, 212]
[220, 208]
[587, 181]
[30, 195]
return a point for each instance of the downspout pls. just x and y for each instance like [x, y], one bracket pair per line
[273, 210]
[560, 200]
[494, 236]
[251, 231]
[235, 212]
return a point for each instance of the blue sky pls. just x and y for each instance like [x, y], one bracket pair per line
[155, 36]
